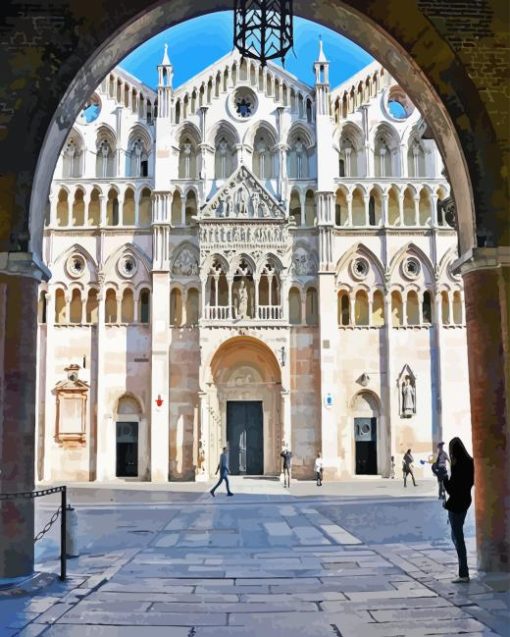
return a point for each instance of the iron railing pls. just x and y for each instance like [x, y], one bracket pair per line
[30, 495]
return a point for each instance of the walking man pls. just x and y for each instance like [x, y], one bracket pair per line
[440, 468]
[286, 455]
[407, 467]
[224, 471]
[318, 469]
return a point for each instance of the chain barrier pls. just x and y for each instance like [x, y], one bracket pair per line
[61, 511]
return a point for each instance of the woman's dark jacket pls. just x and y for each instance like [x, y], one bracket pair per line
[459, 485]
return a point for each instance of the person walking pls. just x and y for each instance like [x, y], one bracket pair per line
[458, 486]
[223, 471]
[286, 455]
[439, 468]
[319, 469]
[392, 468]
[407, 468]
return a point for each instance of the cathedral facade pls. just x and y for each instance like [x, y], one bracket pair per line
[251, 260]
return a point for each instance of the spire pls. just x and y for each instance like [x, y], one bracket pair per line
[322, 57]
[166, 59]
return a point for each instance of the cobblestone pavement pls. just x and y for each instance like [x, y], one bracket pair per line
[359, 559]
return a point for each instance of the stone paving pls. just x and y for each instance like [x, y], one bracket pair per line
[264, 563]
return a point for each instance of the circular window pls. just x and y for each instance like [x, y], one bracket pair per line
[360, 268]
[127, 266]
[411, 268]
[90, 112]
[243, 103]
[75, 266]
[398, 105]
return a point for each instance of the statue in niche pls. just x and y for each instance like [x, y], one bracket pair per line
[242, 203]
[241, 303]
[408, 398]
[187, 159]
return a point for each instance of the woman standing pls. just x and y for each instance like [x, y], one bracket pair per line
[407, 468]
[458, 486]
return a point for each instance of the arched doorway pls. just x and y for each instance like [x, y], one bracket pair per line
[368, 434]
[453, 101]
[125, 454]
[242, 406]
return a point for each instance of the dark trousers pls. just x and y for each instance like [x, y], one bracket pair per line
[408, 471]
[457, 526]
[319, 478]
[223, 476]
[441, 488]
[286, 476]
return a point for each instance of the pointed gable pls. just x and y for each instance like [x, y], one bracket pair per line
[243, 197]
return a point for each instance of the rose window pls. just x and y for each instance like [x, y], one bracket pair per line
[76, 266]
[411, 268]
[127, 266]
[360, 268]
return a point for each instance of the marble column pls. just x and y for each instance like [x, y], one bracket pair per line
[19, 278]
[486, 274]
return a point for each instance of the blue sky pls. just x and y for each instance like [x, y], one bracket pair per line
[197, 43]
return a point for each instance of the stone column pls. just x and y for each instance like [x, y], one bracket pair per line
[103, 469]
[20, 274]
[389, 406]
[349, 209]
[230, 312]
[203, 461]
[437, 388]
[160, 381]
[486, 274]
[49, 401]
[416, 210]
[385, 217]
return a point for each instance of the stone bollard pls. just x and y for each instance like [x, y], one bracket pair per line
[72, 549]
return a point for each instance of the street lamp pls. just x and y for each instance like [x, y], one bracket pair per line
[263, 29]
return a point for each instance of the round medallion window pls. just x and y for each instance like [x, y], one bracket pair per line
[360, 268]
[411, 268]
[90, 111]
[127, 266]
[243, 103]
[75, 266]
[398, 105]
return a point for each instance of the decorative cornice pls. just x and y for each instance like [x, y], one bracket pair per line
[24, 264]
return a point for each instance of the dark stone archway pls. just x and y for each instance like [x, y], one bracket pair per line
[450, 60]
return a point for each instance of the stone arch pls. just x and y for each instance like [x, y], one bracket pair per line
[412, 249]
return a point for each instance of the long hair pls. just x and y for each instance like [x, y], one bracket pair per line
[458, 453]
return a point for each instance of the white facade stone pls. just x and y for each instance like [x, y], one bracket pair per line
[247, 237]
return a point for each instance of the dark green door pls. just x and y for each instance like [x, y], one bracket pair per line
[245, 437]
[127, 450]
[365, 437]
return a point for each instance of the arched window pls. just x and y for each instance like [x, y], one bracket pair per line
[191, 207]
[192, 307]
[445, 308]
[41, 308]
[187, 159]
[426, 308]
[383, 158]
[343, 308]
[349, 155]
[340, 208]
[145, 207]
[457, 308]
[94, 208]
[412, 308]
[358, 207]
[144, 306]
[176, 308]
[78, 208]
[371, 211]
[409, 210]
[128, 208]
[91, 309]
[105, 159]
[295, 207]
[309, 208]
[137, 158]
[312, 307]
[294, 306]
[262, 156]
[224, 161]
[127, 307]
[176, 209]
[60, 307]
[416, 159]
[75, 307]
[298, 159]
[361, 314]
[378, 309]
[72, 158]
[112, 208]
[396, 309]
[62, 208]
[110, 308]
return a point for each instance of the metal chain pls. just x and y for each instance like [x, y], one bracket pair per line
[48, 526]
[30, 494]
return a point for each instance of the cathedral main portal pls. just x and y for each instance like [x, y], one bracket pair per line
[245, 437]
